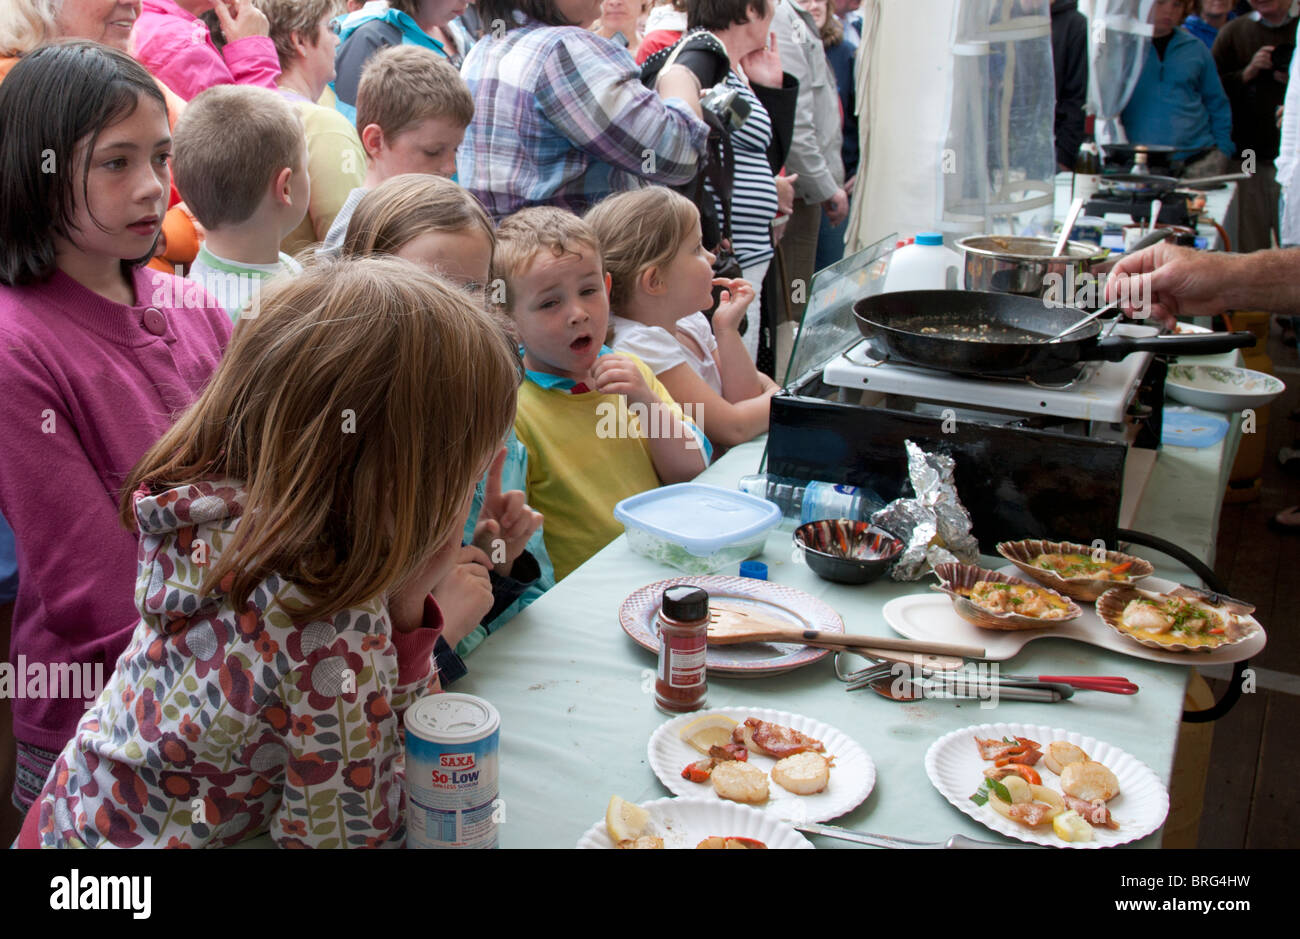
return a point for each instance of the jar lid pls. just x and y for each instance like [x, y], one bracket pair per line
[685, 603]
[755, 569]
[929, 238]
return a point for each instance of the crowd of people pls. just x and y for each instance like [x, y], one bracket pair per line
[313, 318]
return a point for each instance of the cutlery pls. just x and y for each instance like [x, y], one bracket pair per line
[1066, 227]
[1108, 308]
[1111, 684]
[888, 841]
[924, 689]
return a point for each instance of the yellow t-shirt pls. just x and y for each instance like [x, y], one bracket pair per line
[586, 453]
[336, 164]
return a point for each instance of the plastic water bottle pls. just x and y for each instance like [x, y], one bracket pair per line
[807, 501]
[924, 265]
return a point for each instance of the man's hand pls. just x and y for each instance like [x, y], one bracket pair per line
[465, 595]
[836, 207]
[1165, 281]
[1261, 61]
[505, 518]
[615, 374]
[785, 193]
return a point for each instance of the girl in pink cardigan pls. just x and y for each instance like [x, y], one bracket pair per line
[98, 354]
[174, 44]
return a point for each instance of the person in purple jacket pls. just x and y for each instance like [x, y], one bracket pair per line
[98, 353]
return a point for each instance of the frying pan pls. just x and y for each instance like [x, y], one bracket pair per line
[970, 332]
[1146, 184]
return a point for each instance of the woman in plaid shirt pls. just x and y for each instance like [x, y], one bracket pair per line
[560, 114]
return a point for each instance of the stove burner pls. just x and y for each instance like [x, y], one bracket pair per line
[1059, 380]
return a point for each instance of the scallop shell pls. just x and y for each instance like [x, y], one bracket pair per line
[1111, 604]
[966, 576]
[1087, 589]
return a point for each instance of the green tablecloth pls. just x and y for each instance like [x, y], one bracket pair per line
[576, 694]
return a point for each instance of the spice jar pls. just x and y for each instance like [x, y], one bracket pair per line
[681, 684]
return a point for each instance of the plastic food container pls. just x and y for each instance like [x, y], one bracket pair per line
[697, 528]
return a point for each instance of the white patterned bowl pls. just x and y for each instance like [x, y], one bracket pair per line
[1219, 388]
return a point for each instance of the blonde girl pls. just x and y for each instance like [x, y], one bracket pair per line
[291, 525]
[661, 277]
[503, 566]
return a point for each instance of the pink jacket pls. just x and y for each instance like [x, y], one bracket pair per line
[175, 46]
[88, 385]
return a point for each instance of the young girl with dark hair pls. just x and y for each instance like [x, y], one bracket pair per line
[98, 353]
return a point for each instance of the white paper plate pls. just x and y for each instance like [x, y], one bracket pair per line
[684, 823]
[954, 765]
[930, 616]
[853, 774]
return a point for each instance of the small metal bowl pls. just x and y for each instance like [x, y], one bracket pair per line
[847, 552]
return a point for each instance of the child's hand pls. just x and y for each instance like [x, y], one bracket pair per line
[506, 522]
[737, 295]
[616, 374]
[464, 595]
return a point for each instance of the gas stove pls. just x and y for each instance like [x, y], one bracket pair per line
[1062, 460]
[1137, 208]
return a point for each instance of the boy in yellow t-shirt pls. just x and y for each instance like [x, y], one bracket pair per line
[597, 425]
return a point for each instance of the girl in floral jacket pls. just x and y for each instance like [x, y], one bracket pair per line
[292, 524]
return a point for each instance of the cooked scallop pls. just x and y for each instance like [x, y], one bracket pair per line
[1142, 615]
[803, 774]
[1060, 754]
[740, 782]
[1089, 781]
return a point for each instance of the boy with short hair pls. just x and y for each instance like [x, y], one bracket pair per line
[598, 425]
[412, 111]
[239, 160]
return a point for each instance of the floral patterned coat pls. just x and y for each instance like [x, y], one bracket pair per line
[219, 724]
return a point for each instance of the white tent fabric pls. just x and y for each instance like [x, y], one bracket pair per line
[1118, 32]
[956, 102]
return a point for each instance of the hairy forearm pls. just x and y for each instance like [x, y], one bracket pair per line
[1265, 280]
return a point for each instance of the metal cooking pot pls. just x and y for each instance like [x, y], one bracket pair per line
[1009, 264]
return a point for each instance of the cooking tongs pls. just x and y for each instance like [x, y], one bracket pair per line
[959, 682]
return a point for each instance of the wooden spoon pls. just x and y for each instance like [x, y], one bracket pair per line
[731, 626]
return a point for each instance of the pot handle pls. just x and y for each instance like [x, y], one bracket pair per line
[1117, 347]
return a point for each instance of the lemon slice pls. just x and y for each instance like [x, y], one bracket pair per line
[1071, 826]
[625, 821]
[711, 730]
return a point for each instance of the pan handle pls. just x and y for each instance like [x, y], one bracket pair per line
[1117, 347]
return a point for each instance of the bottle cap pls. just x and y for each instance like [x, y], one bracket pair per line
[755, 569]
[929, 238]
[685, 603]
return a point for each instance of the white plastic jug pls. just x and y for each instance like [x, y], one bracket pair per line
[924, 265]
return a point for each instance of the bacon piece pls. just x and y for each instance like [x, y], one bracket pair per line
[728, 751]
[1014, 769]
[996, 749]
[1029, 813]
[1094, 812]
[778, 741]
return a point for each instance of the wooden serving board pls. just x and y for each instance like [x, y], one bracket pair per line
[931, 617]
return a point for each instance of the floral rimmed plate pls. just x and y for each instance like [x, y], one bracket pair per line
[786, 605]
